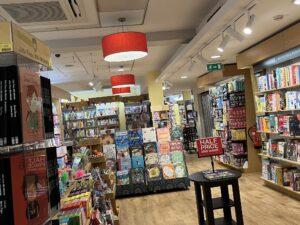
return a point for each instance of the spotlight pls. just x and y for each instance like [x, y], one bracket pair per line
[223, 43]
[247, 29]
[183, 77]
[297, 2]
[91, 83]
[236, 35]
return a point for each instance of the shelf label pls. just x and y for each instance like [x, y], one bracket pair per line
[214, 66]
[209, 146]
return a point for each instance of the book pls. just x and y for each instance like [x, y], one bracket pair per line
[295, 125]
[135, 137]
[287, 177]
[176, 146]
[136, 150]
[280, 124]
[108, 136]
[30, 93]
[123, 178]
[137, 176]
[153, 173]
[150, 147]
[149, 135]
[291, 150]
[164, 159]
[163, 147]
[47, 107]
[296, 181]
[210, 175]
[13, 107]
[168, 171]
[109, 151]
[125, 163]
[180, 170]
[151, 159]
[137, 162]
[177, 157]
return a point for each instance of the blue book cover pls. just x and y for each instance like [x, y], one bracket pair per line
[125, 163]
[137, 162]
[272, 122]
[135, 136]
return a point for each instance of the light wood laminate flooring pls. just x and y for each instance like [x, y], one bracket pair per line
[261, 205]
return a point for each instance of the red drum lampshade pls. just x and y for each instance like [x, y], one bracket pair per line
[124, 80]
[121, 91]
[124, 46]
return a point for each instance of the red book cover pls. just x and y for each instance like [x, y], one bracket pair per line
[294, 72]
[163, 147]
[36, 187]
[31, 102]
[280, 124]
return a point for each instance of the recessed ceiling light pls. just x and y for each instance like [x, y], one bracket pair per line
[297, 2]
[215, 56]
[183, 77]
[69, 65]
[91, 84]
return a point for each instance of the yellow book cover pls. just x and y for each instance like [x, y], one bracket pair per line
[266, 123]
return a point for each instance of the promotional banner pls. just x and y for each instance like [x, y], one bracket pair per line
[209, 146]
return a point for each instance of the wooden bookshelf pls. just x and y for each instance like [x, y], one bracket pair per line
[284, 189]
[277, 89]
[278, 111]
[280, 135]
[280, 159]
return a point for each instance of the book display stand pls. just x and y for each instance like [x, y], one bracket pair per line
[206, 204]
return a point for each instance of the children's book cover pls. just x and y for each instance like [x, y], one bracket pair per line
[31, 102]
[163, 134]
[125, 163]
[177, 157]
[163, 147]
[151, 159]
[137, 176]
[137, 162]
[108, 136]
[123, 178]
[168, 171]
[136, 150]
[176, 146]
[150, 147]
[149, 135]
[109, 151]
[180, 170]
[164, 159]
[153, 173]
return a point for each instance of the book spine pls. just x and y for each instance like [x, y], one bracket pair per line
[1, 105]
[47, 108]
[5, 109]
[14, 107]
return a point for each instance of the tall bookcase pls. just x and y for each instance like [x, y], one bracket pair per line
[277, 104]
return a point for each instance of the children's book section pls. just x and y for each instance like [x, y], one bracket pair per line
[278, 120]
[229, 115]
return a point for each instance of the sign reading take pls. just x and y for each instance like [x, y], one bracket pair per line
[209, 146]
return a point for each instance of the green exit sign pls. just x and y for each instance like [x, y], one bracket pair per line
[214, 66]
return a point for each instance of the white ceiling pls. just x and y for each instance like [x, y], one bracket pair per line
[175, 29]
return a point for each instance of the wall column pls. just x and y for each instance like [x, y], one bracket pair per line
[156, 94]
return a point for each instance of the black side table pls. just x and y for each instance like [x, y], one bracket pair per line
[224, 202]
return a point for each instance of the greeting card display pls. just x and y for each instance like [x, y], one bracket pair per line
[149, 135]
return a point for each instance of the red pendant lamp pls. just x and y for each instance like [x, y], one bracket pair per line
[124, 80]
[121, 91]
[124, 46]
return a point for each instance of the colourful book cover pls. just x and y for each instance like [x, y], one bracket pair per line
[150, 147]
[31, 102]
[151, 159]
[176, 146]
[266, 122]
[125, 163]
[164, 159]
[296, 181]
[149, 135]
[137, 176]
[123, 178]
[291, 150]
[272, 123]
[177, 157]
[163, 147]
[291, 98]
[168, 171]
[135, 137]
[137, 162]
[136, 150]
[109, 151]
[180, 170]
[163, 134]
[286, 125]
[293, 74]
[153, 173]
[107, 136]
[280, 124]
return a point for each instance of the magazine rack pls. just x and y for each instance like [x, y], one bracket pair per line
[210, 204]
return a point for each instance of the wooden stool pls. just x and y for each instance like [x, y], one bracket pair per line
[209, 204]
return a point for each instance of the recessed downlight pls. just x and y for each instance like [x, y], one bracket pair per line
[184, 77]
[91, 83]
[215, 56]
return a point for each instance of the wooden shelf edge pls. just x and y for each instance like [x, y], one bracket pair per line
[280, 159]
[277, 89]
[283, 189]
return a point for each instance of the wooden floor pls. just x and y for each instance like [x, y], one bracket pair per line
[261, 205]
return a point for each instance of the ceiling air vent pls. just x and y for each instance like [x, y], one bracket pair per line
[35, 11]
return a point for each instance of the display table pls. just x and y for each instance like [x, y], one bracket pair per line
[210, 204]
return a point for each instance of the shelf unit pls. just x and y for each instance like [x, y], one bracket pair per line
[138, 115]
[291, 162]
[284, 189]
[277, 89]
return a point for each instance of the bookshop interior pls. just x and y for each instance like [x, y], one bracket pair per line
[147, 112]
